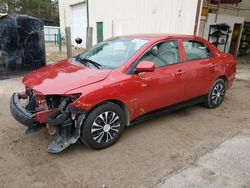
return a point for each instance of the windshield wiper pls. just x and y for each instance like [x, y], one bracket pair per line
[85, 60]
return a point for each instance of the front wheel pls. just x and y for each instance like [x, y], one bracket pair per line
[216, 94]
[103, 126]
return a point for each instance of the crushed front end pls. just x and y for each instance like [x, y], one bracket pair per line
[53, 112]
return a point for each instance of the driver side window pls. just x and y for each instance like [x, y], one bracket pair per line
[163, 54]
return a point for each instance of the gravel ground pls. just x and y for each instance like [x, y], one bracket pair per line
[147, 155]
[227, 166]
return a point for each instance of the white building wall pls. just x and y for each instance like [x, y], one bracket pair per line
[243, 13]
[65, 10]
[233, 10]
[123, 17]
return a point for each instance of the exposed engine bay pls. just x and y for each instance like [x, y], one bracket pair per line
[53, 112]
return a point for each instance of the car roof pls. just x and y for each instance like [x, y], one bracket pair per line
[155, 36]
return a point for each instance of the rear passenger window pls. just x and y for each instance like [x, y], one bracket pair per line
[163, 54]
[196, 50]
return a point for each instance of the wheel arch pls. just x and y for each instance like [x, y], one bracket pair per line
[120, 103]
[223, 77]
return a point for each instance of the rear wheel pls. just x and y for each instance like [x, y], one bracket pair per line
[216, 94]
[103, 126]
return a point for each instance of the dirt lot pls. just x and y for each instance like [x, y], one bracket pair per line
[146, 155]
[53, 54]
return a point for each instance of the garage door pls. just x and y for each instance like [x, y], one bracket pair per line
[79, 23]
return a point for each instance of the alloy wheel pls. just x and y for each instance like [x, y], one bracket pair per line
[105, 127]
[218, 93]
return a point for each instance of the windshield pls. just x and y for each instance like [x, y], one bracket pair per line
[113, 53]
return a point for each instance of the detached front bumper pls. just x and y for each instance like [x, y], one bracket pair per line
[19, 113]
[67, 123]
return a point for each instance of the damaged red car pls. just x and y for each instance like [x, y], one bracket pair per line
[118, 82]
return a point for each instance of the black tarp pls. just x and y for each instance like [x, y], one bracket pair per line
[22, 44]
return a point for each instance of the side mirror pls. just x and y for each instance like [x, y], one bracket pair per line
[145, 66]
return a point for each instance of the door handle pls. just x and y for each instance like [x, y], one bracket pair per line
[212, 65]
[180, 72]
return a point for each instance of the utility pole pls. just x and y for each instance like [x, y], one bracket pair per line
[89, 30]
[68, 42]
[89, 37]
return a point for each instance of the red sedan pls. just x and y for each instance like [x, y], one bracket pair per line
[118, 82]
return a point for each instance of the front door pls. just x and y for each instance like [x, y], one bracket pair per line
[163, 87]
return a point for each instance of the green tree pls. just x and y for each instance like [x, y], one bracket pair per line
[46, 10]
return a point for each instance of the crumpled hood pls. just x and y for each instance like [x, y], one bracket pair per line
[61, 77]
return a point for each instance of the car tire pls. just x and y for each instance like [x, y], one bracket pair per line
[103, 126]
[216, 94]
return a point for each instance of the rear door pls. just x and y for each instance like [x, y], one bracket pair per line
[165, 86]
[200, 67]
